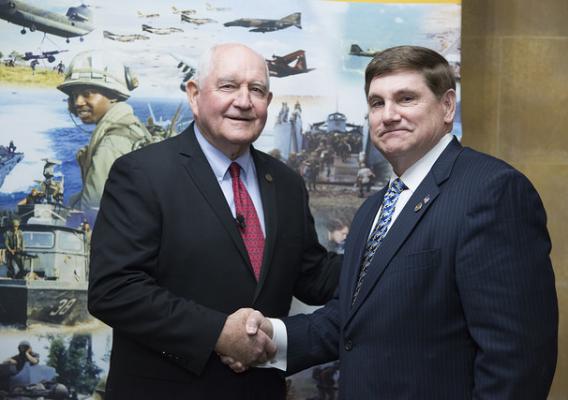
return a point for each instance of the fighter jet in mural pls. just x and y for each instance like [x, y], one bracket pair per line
[358, 51]
[124, 38]
[49, 55]
[268, 25]
[148, 15]
[290, 64]
[211, 7]
[196, 21]
[188, 11]
[78, 21]
[453, 58]
[160, 31]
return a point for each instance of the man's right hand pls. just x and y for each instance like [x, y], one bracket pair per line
[255, 324]
[243, 343]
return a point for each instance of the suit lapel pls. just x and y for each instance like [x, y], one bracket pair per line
[267, 186]
[409, 217]
[194, 162]
[360, 242]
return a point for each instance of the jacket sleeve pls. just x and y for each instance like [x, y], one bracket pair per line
[123, 288]
[313, 339]
[506, 283]
[319, 275]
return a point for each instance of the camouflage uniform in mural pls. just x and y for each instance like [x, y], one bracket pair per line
[117, 133]
[97, 86]
[14, 243]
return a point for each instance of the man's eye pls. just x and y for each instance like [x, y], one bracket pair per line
[258, 90]
[377, 103]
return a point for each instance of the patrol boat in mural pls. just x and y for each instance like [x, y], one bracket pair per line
[54, 259]
[8, 160]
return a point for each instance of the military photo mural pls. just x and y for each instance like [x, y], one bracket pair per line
[55, 152]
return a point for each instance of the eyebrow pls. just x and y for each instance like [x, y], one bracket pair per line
[399, 92]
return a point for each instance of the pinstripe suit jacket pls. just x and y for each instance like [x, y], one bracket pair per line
[459, 302]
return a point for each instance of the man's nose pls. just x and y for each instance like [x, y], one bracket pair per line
[79, 100]
[243, 99]
[390, 113]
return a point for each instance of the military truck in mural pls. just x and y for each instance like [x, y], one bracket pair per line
[50, 284]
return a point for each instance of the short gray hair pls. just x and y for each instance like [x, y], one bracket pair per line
[204, 62]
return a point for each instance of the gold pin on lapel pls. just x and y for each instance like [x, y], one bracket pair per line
[424, 201]
[268, 177]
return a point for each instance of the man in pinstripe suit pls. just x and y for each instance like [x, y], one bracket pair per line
[458, 301]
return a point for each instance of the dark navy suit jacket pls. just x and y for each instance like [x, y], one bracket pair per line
[459, 301]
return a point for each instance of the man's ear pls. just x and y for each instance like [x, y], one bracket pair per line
[449, 103]
[192, 92]
[269, 99]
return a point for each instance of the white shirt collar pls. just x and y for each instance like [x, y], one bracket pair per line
[219, 161]
[414, 175]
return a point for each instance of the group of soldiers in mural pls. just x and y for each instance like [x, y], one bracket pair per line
[333, 158]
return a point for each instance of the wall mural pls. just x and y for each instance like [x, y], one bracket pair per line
[316, 53]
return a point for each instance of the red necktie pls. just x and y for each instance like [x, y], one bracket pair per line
[247, 219]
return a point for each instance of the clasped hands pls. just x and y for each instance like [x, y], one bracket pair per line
[246, 340]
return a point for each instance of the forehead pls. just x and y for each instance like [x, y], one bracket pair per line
[237, 63]
[85, 89]
[400, 81]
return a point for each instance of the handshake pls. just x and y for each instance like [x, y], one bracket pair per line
[246, 340]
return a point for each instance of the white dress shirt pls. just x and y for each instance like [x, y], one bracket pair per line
[220, 163]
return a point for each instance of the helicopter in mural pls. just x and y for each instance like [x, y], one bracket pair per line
[77, 22]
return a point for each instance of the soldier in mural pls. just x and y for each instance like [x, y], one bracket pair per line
[14, 243]
[364, 179]
[98, 86]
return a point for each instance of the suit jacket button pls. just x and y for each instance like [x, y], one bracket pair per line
[348, 344]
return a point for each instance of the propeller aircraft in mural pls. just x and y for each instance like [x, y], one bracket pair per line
[290, 64]
[77, 22]
[356, 50]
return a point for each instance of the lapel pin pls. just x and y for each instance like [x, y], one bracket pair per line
[426, 199]
[268, 177]
[418, 207]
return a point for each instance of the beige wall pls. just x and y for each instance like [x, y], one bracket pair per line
[515, 106]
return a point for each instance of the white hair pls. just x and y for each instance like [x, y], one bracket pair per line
[204, 62]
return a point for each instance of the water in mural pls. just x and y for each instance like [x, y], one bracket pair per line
[316, 52]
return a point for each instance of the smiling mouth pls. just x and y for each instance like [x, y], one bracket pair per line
[240, 118]
[83, 112]
[392, 131]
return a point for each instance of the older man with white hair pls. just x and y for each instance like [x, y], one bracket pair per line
[194, 228]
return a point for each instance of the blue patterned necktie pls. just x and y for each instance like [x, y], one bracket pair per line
[380, 231]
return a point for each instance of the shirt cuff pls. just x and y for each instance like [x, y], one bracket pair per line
[280, 338]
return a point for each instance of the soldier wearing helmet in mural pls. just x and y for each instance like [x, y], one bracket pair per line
[98, 85]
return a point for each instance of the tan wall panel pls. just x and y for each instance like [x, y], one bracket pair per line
[534, 100]
[480, 88]
[515, 106]
[516, 17]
